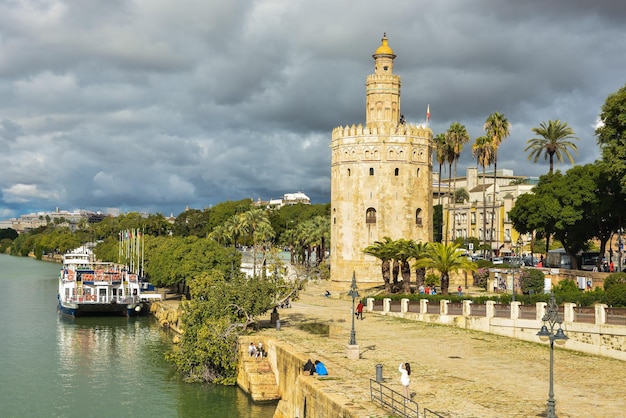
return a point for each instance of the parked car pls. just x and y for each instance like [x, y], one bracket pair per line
[497, 260]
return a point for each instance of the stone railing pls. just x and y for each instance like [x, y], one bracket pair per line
[599, 330]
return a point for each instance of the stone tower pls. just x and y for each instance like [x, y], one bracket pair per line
[381, 182]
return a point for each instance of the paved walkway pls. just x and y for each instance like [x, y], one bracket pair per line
[454, 372]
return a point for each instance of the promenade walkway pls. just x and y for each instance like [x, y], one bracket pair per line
[456, 373]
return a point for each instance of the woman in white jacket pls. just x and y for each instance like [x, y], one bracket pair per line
[405, 378]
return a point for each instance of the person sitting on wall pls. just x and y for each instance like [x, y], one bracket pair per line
[309, 367]
[327, 294]
[320, 369]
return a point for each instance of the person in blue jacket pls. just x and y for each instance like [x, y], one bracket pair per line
[320, 369]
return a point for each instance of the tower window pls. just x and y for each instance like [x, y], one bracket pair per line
[370, 216]
[396, 172]
[348, 172]
[371, 171]
[418, 172]
[418, 217]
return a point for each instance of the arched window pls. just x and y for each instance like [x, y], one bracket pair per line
[349, 172]
[418, 217]
[371, 171]
[396, 172]
[418, 172]
[370, 216]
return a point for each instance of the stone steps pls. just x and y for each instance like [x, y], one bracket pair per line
[259, 379]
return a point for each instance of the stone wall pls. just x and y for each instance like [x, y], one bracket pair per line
[301, 395]
[598, 339]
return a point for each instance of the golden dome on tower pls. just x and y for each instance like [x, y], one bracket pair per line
[384, 48]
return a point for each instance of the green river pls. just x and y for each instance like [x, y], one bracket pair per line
[56, 366]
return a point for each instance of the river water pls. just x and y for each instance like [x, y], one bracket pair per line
[56, 366]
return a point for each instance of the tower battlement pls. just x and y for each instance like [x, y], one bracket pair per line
[408, 130]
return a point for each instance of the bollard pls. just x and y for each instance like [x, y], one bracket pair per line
[278, 325]
[379, 373]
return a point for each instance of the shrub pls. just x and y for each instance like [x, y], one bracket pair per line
[616, 295]
[531, 280]
[432, 280]
[614, 279]
[481, 277]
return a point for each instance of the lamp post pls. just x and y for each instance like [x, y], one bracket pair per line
[550, 319]
[354, 293]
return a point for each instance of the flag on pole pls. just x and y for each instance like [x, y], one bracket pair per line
[428, 113]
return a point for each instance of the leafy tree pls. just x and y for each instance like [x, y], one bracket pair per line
[554, 140]
[446, 258]
[8, 233]
[611, 135]
[403, 250]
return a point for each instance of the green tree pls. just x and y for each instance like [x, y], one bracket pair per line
[439, 142]
[445, 258]
[456, 136]
[484, 153]
[554, 140]
[611, 135]
[384, 251]
[418, 251]
[497, 127]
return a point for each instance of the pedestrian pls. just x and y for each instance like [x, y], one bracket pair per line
[320, 369]
[259, 350]
[611, 267]
[405, 378]
[460, 290]
[359, 310]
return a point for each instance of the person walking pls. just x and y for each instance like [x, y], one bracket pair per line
[405, 378]
[359, 310]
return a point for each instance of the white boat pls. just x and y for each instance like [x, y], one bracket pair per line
[90, 288]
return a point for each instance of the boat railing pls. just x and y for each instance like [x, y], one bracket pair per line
[93, 298]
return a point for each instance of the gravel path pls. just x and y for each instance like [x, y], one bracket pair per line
[455, 372]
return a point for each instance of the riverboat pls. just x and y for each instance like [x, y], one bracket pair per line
[91, 288]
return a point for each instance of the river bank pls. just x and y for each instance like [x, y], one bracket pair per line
[457, 373]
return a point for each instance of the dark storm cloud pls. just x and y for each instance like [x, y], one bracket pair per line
[158, 105]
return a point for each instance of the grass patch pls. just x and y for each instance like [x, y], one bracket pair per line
[316, 328]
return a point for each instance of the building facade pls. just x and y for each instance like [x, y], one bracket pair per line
[381, 184]
[475, 217]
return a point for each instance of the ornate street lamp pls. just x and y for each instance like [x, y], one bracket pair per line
[520, 243]
[550, 319]
[355, 294]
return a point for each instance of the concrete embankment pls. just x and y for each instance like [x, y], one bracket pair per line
[455, 372]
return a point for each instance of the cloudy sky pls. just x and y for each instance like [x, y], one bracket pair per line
[155, 105]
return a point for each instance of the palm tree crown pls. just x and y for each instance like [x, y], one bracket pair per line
[446, 258]
[554, 139]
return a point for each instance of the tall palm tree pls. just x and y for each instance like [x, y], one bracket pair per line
[445, 258]
[253, 219]
[383, 250]
[450, 156]
[439, 142]
[456, 137]
[555, 139]
[498, 128]
[484, 153]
